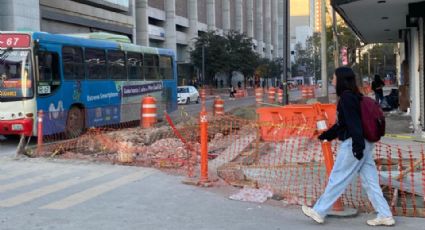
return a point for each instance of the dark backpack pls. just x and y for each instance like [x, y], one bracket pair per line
[373, 119]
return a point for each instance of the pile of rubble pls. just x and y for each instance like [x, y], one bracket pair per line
[160, 147]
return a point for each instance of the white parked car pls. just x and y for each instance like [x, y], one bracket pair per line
[187, 94]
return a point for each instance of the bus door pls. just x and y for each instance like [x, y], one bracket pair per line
[48, 89]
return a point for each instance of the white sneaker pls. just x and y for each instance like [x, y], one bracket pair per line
[312, 214]
[385, 221]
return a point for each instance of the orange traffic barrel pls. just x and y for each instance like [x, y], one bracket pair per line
[280, 96]
[271, 94]
[310, 92]
[203, 94]
[218, 106]
[148, 112]
[304, 92]
[258, 95]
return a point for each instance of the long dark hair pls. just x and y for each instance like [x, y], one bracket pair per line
[345, 80]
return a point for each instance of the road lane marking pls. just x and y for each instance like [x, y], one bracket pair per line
[93, 192]
[37, 193]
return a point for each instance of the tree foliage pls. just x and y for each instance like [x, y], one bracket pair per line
[225, 54]
[308, 59]
[382, 60]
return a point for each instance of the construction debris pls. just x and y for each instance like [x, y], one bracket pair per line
[253, 195]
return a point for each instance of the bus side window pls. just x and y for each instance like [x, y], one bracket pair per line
[117, 65]
[48, 69]
[151, 67]
[135, 66]
[95, 64]
[73, 65]
[166, 67]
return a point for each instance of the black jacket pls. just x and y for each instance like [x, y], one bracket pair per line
[349, 122]
[378, 84]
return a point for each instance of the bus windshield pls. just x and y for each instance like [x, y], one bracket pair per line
[16, 78]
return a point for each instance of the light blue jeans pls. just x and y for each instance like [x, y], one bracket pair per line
[345, 171]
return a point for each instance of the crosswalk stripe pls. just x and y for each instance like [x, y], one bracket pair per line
[19, 172]
[26, 197]
[90, 193]
[32, 180]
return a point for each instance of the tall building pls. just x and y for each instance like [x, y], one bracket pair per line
[158, 23]
[301, 26]
[318, 14]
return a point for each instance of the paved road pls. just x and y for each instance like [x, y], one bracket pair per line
[8, 145]
[41, 194]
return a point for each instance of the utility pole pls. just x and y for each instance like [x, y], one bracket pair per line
[203, 66]
[323, 51]
[286, 50]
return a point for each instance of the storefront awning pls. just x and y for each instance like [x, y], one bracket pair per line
[377, 21]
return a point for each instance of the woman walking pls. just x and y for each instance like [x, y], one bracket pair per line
[354, 155]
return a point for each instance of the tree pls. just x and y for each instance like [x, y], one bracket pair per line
[308, 59]
[215, 54]
[382, 60]
[232, 52]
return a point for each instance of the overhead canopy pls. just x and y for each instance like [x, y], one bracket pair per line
[378, 21]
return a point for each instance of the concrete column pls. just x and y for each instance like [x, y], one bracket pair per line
[20, 15]
[238, 16]
[275, 29]
[414, 80]
[142, 23]
[280, 25]
[250, 18]
[268, 29]
[211, 14]
[170, 24]
[259, 30]
[133, 19]
[421, 74]
[226, 15]
[192, 13]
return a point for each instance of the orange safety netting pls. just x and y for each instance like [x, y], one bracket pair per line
[279, 150]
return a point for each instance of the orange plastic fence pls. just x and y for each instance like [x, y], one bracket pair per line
[277, 124]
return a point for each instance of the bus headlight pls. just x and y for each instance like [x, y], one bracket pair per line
[17, 127]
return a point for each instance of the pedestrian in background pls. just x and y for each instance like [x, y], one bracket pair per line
[232, 91]
[354, 155]
[378, 88]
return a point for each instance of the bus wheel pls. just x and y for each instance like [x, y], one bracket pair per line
[74, 123]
